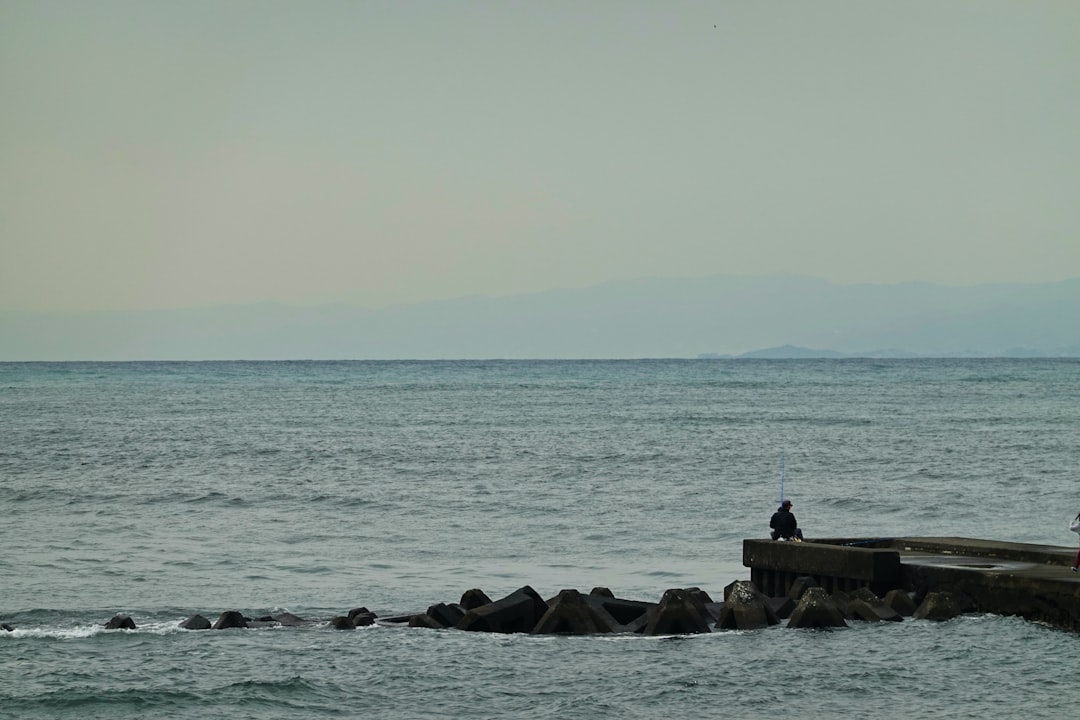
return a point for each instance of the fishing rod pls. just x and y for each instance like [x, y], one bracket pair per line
[781, 502]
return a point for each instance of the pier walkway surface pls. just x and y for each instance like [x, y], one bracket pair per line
[1032, 581]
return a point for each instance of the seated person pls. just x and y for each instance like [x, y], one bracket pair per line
[783, 523]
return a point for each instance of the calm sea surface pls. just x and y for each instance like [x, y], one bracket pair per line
[161, 490]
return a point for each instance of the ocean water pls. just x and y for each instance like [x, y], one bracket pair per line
[161, 490]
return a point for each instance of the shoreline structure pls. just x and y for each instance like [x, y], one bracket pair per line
[817, 583]
[989, 576]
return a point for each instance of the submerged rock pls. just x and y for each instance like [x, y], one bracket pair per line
[362, 617]
[288, 620]
[627, 615]
[474, 598]
[120, 622]
[196, 622]
[423, 620]
[230, 619]
[445, 615]
[518, 612]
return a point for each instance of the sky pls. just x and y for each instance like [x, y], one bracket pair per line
[190, 154]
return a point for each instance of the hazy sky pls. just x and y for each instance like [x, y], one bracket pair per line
[184, 153]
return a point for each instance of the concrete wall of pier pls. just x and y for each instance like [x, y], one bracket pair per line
[1032, 581]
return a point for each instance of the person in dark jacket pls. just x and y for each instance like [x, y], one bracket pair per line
[1075, 527]
[783, 523]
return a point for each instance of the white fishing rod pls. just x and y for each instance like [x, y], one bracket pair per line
[781, 477]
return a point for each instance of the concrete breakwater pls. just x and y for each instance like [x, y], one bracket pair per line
[1031, 581]
[812, 584]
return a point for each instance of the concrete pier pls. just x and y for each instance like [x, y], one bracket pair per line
[1032, 581]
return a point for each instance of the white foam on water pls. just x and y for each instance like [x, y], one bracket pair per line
[53, 633]
[167, 627]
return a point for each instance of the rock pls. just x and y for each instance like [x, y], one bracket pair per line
[713, 609]
[887, 614]
[782, 607]
[861, 610]
[816, 610]
[865, 594]
[678, 613]
[472, 599]
[446, 615]
[800, 586]
[697, 597]
[627, 615]
[569, 614]
[872, 613]
[7, 628]
[900, 602]
[396, 620]
[230, 619]
[843, 602]
[730, 587]
[745, 608]
[196, 622]
[424, 620]
[938, 606]
[437, 617]
[601, 592]
[700, 595]
[362, 617]
[637, 616]
[865, 605]
[120, 622]
[518, 612]
[288, 620]
[342, 622]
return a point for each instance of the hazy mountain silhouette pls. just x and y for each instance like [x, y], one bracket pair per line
[721, 315]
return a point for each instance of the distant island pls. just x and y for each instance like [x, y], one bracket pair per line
[794, 352]
[712, 317]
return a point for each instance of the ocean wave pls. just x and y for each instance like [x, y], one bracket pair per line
[427, 480]
[80, 631]
[53, 633]
[212, 496]
[85, 699]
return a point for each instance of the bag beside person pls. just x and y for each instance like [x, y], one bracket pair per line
[1075, 524]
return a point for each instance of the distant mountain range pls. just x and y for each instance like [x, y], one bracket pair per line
[720, 316]
[794, 352]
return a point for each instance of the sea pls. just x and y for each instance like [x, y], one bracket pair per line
[161, 490]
